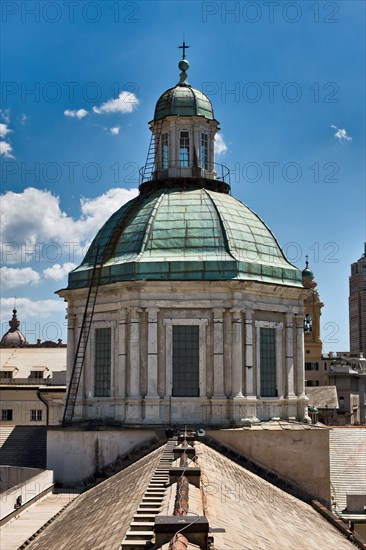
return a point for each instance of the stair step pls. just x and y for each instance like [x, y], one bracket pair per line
[135, 544]
[142, 525]
[132, 535]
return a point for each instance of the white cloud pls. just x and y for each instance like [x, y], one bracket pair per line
[125, 103]
[115, 130]
[58, 272]
[15, 277]
[220, 145]
[341, 134]
[34, 227]
[4, 130]
[5, 147]
[38, 309]
[6, 150]
[23, 118]
[77, 113]
[4, 114]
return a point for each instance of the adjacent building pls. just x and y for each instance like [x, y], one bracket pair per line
[357, 306]
[32, 379]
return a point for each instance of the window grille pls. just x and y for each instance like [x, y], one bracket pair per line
[36, 415]
[7, 414]
[268, 362]
[102, 362]
[311, 366]
[185, 361]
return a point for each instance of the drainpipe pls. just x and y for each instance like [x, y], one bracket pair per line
[45, 402]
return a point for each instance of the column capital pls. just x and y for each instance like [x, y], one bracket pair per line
[299, 320]
[134, 311]
[218, 313]
[236, 311]
[152, 312]
[248, 312]
[122, 314]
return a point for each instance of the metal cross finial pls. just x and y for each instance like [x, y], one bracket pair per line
[307, 260]
[183, 47]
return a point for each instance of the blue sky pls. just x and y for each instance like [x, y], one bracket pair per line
[287, 83]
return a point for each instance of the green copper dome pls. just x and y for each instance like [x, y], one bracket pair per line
[307, 271]
[190, 234]
[183, 101]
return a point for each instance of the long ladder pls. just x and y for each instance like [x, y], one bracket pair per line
[79, 358]
[86, 324]
[152, 154]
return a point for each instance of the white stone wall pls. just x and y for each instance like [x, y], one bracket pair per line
[76, 455]
[26, 483]
[229, 315]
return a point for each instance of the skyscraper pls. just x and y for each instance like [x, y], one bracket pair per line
[357, 305]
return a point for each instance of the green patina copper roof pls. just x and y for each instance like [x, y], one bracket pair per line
[307, 271]
[191, 234]
[183, 101]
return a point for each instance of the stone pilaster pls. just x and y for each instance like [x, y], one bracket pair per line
[152, 353]
[237, 354]
[249, 356]
[218, 353]
[134, 352]
[300, 365]
[290, 372]
[121, 389]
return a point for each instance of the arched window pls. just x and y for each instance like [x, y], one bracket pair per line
[184, 149]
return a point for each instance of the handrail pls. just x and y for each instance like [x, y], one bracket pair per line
[158, 171]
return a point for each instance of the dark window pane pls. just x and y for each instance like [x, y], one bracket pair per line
[102, 365]
[185, 361]
[268, 362]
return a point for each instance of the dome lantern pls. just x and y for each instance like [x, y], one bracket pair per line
[183, 135]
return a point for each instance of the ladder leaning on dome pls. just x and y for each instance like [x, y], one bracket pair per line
[82, 341]
[151, 163]
[102, 255]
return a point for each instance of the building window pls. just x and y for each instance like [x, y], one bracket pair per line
[311, 383]
[36, 374]
[164, 151]
[311, 366]
[354, 384]
[204, 151]
[184, 149]
[268, 362]
[7, 414]
[36, 415]
[103, 362]
[6, 374]
[185, 361]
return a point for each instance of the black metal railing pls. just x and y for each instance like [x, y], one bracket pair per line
[160, 171]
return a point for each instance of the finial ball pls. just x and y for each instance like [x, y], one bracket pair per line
[183, 65]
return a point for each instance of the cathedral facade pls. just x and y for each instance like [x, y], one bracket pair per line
[185, 309]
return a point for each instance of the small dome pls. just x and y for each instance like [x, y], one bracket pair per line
[183, 101]
[190, 234]
[14, 338]
[307, 272]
